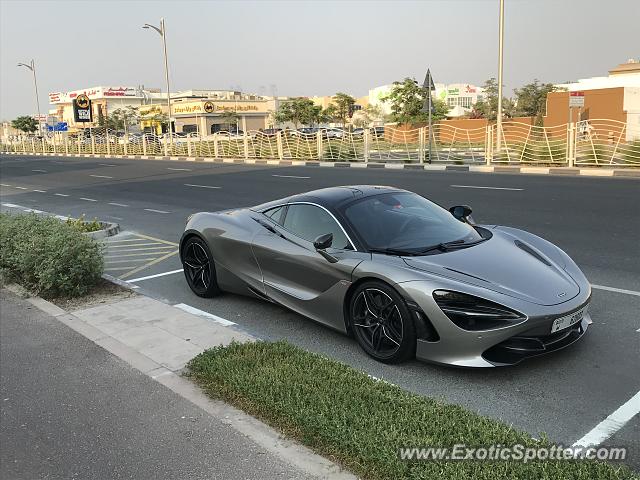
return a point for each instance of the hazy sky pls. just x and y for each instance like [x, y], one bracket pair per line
[304, 47]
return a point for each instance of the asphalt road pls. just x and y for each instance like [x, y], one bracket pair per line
[595, 220]
[72, 410]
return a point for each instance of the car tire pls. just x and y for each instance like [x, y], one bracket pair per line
[199, 268]
[382, 323]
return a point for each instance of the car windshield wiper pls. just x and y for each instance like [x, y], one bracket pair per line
[445, 246]
[393, 251]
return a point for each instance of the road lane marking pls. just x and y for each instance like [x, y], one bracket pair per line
[142, 249]
[487, 188]
[180, 169]
[11, 205]
[118, 204]
[40, 171]
[199, 186]
[155, 211]
[21, 188]
[202, 313]
[148, 277]
[119, 268]
[88, 199]
[141, 254]
[611, 424]
[61, 194]
[100, 176]
[107, 165]
[288, 176]
[32, 210]
[39, 191]
[617, 290]
[4, 185]
[148, 244]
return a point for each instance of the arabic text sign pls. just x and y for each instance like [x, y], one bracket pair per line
[576, 99]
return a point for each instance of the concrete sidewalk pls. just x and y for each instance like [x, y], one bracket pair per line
[70, 409]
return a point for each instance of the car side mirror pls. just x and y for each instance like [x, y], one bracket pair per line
[462, 213]
[323, 241]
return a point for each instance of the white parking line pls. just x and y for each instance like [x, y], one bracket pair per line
[611, 424]
[617, 290]
[133, 280]
[118, 204]
[100, 176]
[155, 211]
[39, 191]
[41, 171]
[201, 313]
[487, 188]
[180, 169]
[288, 176]
[199, 186]
[88, 199]
[61, 194]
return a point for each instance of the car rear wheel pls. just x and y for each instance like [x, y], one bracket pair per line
[381, 322]
[199, 268]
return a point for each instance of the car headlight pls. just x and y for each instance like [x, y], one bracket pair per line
[474, 313]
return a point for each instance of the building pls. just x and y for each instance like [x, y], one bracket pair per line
[104, 100]
[460, 97]
[614, 97]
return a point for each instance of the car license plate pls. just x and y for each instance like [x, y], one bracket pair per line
[568, 320]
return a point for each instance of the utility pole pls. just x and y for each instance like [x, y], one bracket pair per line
[429, 86]
[500, 55]
[163, 33]
[32, 66]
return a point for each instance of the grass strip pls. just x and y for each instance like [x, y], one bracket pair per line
[362, 423]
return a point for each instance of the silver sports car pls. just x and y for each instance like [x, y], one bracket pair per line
[401, 274]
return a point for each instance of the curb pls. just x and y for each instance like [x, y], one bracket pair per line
[261, 434]
[110, 230]
[628, 172]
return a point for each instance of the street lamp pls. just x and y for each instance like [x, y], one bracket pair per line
[500, 52]
[162, 32]
[32, 66]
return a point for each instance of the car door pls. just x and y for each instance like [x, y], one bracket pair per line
[294, 273]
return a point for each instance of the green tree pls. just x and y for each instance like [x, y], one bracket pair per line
[120, 119]
[531, 100]
[25, 124]
[231, 118]
[344, 106]
[299, 111]
[407, 99]
[488, 106]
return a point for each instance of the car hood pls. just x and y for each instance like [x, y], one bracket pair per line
[505, 264]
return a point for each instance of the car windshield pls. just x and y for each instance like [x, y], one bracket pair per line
[405, 221]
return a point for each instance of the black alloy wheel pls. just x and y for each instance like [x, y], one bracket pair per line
[199, 268]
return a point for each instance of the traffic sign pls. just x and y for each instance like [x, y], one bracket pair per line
[576, 99]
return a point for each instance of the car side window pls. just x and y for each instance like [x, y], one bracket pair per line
[309, 222]
[275, 214]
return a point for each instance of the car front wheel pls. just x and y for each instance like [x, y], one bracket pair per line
[199, 268]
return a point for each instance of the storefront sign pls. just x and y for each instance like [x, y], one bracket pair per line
[82, 109]
[216, 107]
[576, 99]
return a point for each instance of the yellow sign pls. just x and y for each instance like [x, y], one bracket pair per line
[209, 107]
[82, 101]
[188, 108]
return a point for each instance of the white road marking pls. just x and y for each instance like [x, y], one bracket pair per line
[148, 244]
[201, 313]
[21, 188]
[32, 210]
[199, 186]
[41, 171]
[133, 280]
[487, 188]
[118, 204]
[288, 176]
[617, 290]
[61, 194]
[10, 205]
[143, 249]
[40, 191]
[88, 199]
[4, 185]
[180, 169]
[141, 254]
[100, 176]
[611, 424]
[107, 164]
[155, 211]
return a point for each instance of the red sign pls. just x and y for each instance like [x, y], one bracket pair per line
[576, 94]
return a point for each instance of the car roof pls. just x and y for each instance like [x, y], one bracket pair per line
[331, 197]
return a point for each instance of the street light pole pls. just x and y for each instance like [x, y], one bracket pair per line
[163, 33]
[500, 53]
[32, 66]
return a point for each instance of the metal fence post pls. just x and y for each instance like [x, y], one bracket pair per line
[66, 145]
[144, 144]
[106, 136]
[166, 149]
[365, 138]
[319, 145]
[93, 145]
[488, 144]
[33, 145]
[54, 144]
[125, 144]
[279, 144]
[44, 145]
[215, 145]
[422, 132]
[189, 145]
[571, 146]
[245, 141]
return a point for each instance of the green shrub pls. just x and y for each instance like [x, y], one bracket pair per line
[82, 225]
[48, 256]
